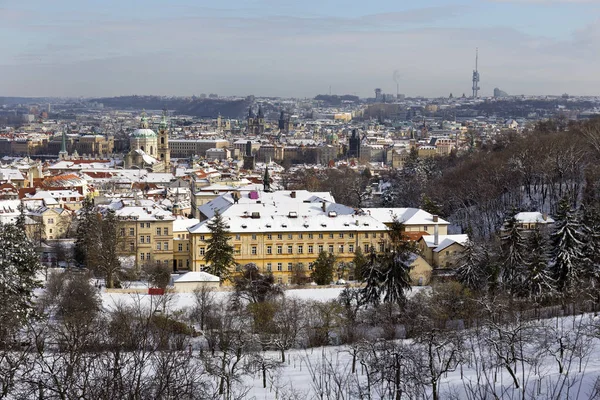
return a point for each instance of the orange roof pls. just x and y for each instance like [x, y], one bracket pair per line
[415, 236]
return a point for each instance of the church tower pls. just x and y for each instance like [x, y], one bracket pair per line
[260, 122]
[250, 119]
[164, 154]
[62, 154]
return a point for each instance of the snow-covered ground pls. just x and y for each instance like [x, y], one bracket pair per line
[178, 301]
[328, 369]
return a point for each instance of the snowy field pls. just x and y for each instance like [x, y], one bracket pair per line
[325, 373]
[178, 301]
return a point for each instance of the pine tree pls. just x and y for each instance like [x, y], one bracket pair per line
[568, 255]
[360, 262]
[20, 221]
[513, 256]
[470, 270]
[108, 264]
[538, 281]
[219, 253]
[591, 231]
[18, 266]
[88, 236]
[388, 277]
[322, 272]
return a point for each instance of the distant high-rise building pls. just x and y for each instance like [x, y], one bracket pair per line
[378, 95]
[500, 93]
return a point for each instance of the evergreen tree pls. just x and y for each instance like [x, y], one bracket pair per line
[255, 287]
[388, 277]
[18, 266]
[360, 262]
[537, 279]
[513, 256]
[219, 253]
[322, 273]
[591, 231]
[429, 205]
[108, 264]
[471, 266]
[20, 221]
[88, 235]
[568, 255]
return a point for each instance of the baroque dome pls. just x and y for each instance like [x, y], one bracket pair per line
[144, 133]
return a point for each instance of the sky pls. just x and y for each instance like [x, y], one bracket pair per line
[292, 48]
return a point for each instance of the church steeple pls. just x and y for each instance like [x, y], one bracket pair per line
[63, 146]
[267, 180]
[164, 152]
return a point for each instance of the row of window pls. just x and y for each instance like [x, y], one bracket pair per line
[180, 247]
[310, 249]
[147, 257]
[159, 231]
[290, 236]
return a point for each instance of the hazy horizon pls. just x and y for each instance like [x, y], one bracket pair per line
[284, 49]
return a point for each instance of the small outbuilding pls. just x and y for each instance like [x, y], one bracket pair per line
[189, 281]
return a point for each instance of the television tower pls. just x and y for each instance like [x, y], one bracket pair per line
[476, 76]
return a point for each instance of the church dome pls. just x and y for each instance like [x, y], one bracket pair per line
[143, 132]
[333, 138]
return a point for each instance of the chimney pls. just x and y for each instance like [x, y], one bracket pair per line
[293, 194]
[435, 218]
[436, 235]
[323, 206]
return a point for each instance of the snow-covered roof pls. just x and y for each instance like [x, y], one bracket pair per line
[182, 224]
[533, 217]
[141, 212]
[273, 203]
[444, 241]
[8, 174]
[56, 194]
[407, 216]
[286, 211]
[197, 277]
[159, 177]
[148, 159]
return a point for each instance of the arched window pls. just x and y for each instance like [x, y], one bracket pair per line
[151, 150]
[162, 156]
[162, 140]
[142, 148]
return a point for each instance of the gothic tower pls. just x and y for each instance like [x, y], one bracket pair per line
[260, 121]
[250, 121]
[164, 153]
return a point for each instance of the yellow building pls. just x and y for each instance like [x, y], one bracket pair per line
[283, 232]
[441, 251]
[414, 220]
[421, 271]
[145, 231]
[50, 223]
[181, 242]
